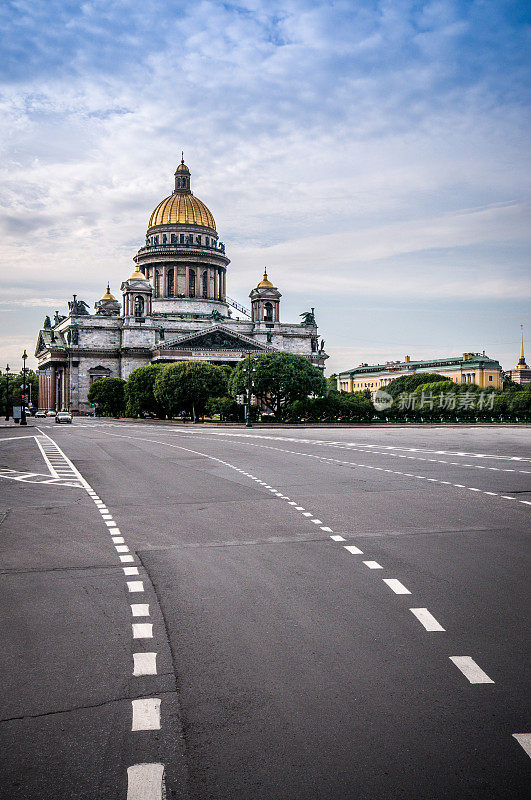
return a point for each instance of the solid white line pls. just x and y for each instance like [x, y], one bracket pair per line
[135, 586]
[426, 619]
[145, 782]
[144, 664]
[142, 630]
[352, 549]
[524, 739]
[470, 669]
[337, 538]
[372, 565]
[146, 714]
[396, 586]
[140, 609]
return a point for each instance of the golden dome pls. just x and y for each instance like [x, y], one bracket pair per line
[136, 274]
[265, 283]
[107, 295]
[183, 209]
[182, 166]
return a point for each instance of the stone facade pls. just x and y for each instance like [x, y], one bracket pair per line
[174, 308]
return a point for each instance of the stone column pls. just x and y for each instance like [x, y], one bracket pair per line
[52, 386]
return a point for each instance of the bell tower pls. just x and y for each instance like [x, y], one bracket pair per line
[137, 293]
[265, 302]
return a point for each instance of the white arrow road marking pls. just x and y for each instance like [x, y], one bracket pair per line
[524, 739]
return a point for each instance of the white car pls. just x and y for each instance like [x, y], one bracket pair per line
[40, 413]
[63, 416]
[50, 413]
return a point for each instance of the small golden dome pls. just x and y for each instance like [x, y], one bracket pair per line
[265, 283]
[108, 295]
[182, 166]
[183, 209]
[136, 274]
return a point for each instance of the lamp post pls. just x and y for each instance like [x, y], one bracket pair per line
[7, 392]
[248, 423]
[23, 420]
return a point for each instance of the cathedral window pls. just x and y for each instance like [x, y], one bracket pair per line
[268, 312]
[181, 238]
[204, 282]
[198, 239]
[157, 283]
[164, 239]
[191, 283]
[139, 306]
[170, 283]
[174, 238]
[156, 240]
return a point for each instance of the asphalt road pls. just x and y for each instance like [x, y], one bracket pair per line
[278, 614]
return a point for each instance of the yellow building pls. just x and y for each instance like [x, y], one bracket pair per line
[474, 368]
[521, 373]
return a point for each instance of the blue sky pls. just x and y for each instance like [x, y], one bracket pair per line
[373, 155]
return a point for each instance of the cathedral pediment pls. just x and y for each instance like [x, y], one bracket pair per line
[217, 338]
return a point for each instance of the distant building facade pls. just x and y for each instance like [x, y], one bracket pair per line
[521, 373]
[174, 308]
[476, 368]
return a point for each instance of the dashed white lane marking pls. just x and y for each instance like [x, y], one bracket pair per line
[121, 548]
[307, 514]
[145, 782]
[135, 586]
[142, 630]
[118, 539]
[144, 664]
[426, 619]
[140, 609]
[326, 529]
[373, 565]
[146, 714]
[396, 586]
[337, 538]
[126, 559]
[317, 521]
[470, 669]
[131, 571]
[353, 549]
[524, 739]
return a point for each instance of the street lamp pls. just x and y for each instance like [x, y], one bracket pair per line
[23, 420]
[248, 423]
[7, 392]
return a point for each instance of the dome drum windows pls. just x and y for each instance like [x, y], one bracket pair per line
[191, 283]
[170, 283]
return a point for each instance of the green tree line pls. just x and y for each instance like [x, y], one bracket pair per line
[287, 388]
[15, 389]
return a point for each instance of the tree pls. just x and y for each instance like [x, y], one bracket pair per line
[139, 392]
[408, 383]
[331, 382]
[15, 389]
[278, 379]
[187, 386]
[109, 397]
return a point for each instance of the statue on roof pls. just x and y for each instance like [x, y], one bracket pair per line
[308, 318]
[58, 318]
[77, 307]
[47, 322]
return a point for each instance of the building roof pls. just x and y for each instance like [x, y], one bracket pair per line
[400, 367]
[182, 209]
[265, 283]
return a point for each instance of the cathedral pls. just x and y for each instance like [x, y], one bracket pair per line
[174, 308]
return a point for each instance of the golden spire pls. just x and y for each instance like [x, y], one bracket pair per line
[521, 361]
[107, 295]
[265, 283]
